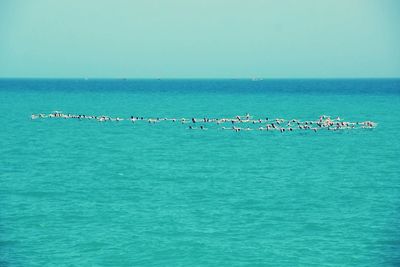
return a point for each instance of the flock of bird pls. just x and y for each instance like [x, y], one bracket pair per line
[238, 123]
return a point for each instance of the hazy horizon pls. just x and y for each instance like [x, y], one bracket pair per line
[200, 40]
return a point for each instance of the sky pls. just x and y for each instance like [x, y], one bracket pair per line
[200, 38]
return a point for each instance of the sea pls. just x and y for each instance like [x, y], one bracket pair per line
[88, 193]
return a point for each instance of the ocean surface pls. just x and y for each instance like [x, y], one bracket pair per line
[86, 193]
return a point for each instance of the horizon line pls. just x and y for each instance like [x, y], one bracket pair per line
[199, 78]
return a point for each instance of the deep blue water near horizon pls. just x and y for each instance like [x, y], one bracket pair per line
[84, 193]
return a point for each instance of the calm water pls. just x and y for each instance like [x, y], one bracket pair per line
[82, 193]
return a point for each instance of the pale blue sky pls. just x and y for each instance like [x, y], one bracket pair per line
[200, 39]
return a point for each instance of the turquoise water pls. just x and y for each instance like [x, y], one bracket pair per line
[83, 193]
